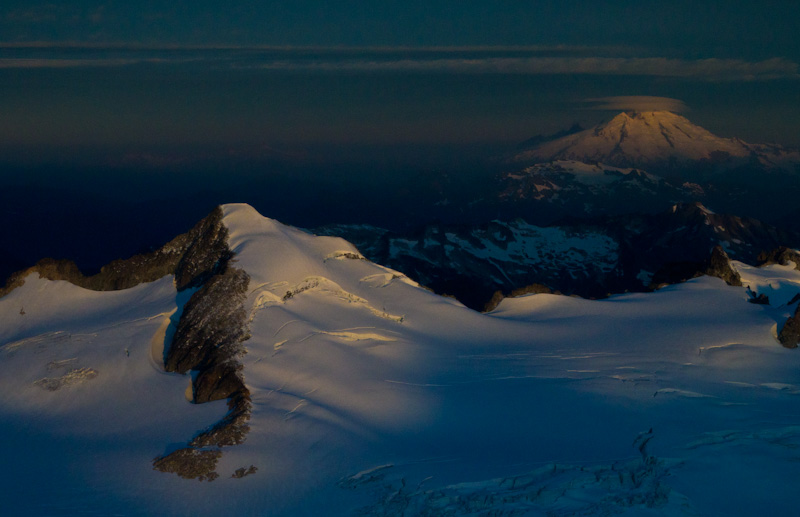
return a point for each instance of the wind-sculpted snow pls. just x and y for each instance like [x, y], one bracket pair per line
[556, 489]
[70, 377]
[675, 402]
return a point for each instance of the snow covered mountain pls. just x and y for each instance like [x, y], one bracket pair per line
[589, 257]
[658, 141]
[471, 262]
[569, 187]
[367, 395]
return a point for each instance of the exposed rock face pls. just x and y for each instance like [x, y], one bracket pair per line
[192, 257]
[208, 341]
[242, 472]
[218, 382]
[530, 289]
[568, 188]
[675, 273]
[789, 335]
[471, 262]
[781, 255]
[209, 336]
[206, 255]
[759, 299]
[494, 301]
[233, 428]
[190, 463]
[687, 232]
[719, 265]
[498, 296]
[213, 324]
[590, 258]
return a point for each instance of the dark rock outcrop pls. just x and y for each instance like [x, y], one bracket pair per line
[213, 324]
[206, 255]
[242, 472]
[209, 338]
[190, 463]
[676, 273]
[720, 266]
[759, 299]
[192, 257]
[605, 255]
[531, 289]
[789, 335]
[233, 428]
[218, 382]
[494, 301]
[209, 335]
[781, 255]
[498, 296]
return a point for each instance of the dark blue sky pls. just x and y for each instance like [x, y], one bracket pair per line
[150, 78]
[732, 28]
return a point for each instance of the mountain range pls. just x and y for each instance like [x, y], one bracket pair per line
[590, 258]
[289, 375]
[602, 328]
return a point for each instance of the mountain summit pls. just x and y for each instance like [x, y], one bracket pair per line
[353, 391]
[657, 140]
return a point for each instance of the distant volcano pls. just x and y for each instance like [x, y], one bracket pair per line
[657, 140]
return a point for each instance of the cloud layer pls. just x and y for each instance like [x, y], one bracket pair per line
[703, 69]
[637, 103]
[457, 60]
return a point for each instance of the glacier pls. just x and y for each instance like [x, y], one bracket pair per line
[374, 396]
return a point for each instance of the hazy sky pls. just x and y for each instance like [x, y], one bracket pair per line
[147, 80]
[730, 28]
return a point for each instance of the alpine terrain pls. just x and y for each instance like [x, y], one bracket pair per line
[628, 205]
[252, 368]
[658, 140]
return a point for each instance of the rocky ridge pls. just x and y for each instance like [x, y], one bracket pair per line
[209, 334]
[192, 257]
[587, 257]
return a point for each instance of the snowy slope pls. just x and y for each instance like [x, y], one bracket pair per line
[471, 262]
[586, 174]
[654, 139]
[576, 187]
[374, 396]
[590, 258]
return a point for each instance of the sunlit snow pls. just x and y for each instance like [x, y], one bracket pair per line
[372, 395]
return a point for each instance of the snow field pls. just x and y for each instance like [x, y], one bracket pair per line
[540, 406]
